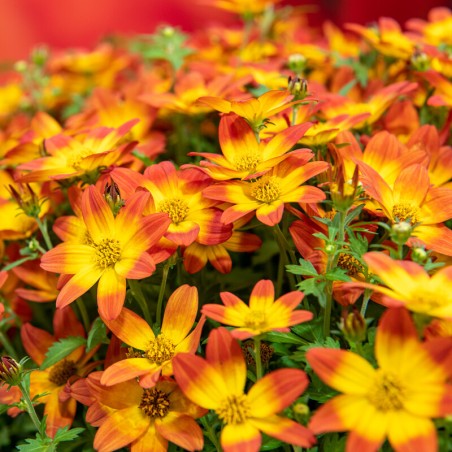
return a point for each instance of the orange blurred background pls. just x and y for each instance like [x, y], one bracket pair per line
[81, 23]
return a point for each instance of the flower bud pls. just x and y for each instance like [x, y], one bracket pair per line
[353, 327]
[27, 199]
[401, 232]
[419, 255]
[298, 87]
[10, 371]
[297, 63]
[113, 197]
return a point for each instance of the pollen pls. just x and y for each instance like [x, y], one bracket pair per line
[247, 162]
[256, 320]
[155, 403]
[405, 212]
[350, 264]
[266, 189]
[388, 392]
[108, 252]
[177, 209]
[160, 349]
[62, 371]
[235, 409]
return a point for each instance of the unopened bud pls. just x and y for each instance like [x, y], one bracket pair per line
[27, 199]
[298, 87]
[301, 412]
[420, 61]
[40, 55]
[10, 371]
[297, 63]
[353, 327]
[113, 197]
[401, 232]
[419, 255]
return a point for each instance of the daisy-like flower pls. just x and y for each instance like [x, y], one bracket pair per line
[263, 314]
[395, 401]
[218, 383]
[244, 157]
[412, 200]
[51, 382]
[114, 250]
[268, 194]
[145, 419]
[153, 354]
[408, 284]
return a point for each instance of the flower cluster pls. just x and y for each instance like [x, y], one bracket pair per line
[235, 240]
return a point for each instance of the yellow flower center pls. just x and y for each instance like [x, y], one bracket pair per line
[62, 371]
[177, 209]
[234, 409]
[108, 252]
[256, 320]
[247, 162]
[388, 393]
[350, 264]
[266, 189]
[155, 403]
[405, 212]
[160, 349]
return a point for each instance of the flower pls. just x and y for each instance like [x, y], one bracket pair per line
[218, 383]
[114, 249]
[394, 401]
[263, 313]
[267, 194]
[155, 353]
[51, 382]
[409, 285]
[145, 419]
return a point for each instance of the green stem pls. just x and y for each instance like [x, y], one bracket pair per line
[20, 262]
[211, 434]
[83, 313]
[138, 294]
[7, 345]
[284, 249]
[30, 407]
[366, 298]
[294, 114]
[258, 357]
[166, 268]
[400, 252]
[44, 231]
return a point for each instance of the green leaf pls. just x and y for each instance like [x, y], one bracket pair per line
[284, 338]
[97, 335]
[305, 268]
[59, 350]
[346, 88]
[36, 445]
[316, 287]
[64, 434]
[338, 274]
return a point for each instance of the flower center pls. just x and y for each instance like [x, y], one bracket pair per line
[350, 264]
[108, 252]
[405, 212]
[177, 209]
[155, 403]
[388, 392]
[234, 409]
[256, 320]
[247, 162]
[160, 349]
[266, 189]
[62, 371]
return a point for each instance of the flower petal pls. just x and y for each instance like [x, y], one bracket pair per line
[180, 429]
[111, 293]
[126, 370]
[243, 437]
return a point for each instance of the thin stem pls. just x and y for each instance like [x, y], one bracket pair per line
[30, 407]
[138, 294]
[294, 114]
[284, 248]
[166, 268]
[211, 434]
[44, 231]
[83, 313]
[9, 349]
[366, 298]
[258, 357]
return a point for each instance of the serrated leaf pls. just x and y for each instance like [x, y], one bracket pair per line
[64, 434]
[35, 445]
[60, 349]
[305, 268]
[97, 335]
[338, 274]
[284, 338]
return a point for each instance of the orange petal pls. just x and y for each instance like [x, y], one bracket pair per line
[276, 391]
[131, 329]
[59, 414]
[263, 295]
[180, 429]
[180, 313]
[36, 342]
[126, 370]
[111, 293]
[240, 438]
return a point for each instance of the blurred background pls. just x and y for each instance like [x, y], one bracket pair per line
[81, 23]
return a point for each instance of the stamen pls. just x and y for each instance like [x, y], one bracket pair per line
[350, 264]
[388, 393]
[247, 162]
[256, 320]
[155, 403]
[177, 209]
[405, 212]
[234, 409]
[266, 189]
[62, 371]
[160, 349]
[108, 252]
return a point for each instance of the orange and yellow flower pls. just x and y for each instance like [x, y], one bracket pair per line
[268, 194]
[114, 249]
[218, 383]
[154, 354]
[395, 401]
[263, 314]
[145, 419]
